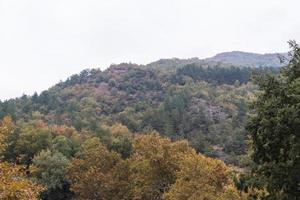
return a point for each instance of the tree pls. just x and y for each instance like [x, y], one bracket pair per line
[15, 185]
[13, 181]
[121, 140]
[49, 170]
[91, 174]
[154, 164]
[33, 138]
[63, 145]
[6, 128]
[202, 178]
[274, 131]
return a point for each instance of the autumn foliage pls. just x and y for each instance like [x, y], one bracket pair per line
[157, 169]
[15, 185]
[6, 127]
[52, 162]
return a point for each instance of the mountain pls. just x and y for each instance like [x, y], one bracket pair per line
[204, 102]
[138, 131]
[249, 59]
[236, 58]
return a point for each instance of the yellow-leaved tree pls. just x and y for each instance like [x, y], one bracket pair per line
[157, 169]
[154, 164]
[202, 178]
[6, 128]
[92, 172]
[14, 185]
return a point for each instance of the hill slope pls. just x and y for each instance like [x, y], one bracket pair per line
[203, 102]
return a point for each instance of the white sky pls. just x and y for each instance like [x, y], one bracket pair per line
[44, 41]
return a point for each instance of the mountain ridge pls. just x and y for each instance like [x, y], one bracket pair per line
[250, 59]
[236, 58]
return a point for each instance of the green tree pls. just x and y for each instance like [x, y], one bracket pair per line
[33, 138]
[274, 131]
[63, 145]
[117, 138]
[49, 170]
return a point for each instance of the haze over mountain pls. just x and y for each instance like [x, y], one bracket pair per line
[237, 58]
[250, 59]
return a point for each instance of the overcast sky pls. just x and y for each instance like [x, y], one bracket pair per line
[44, 41]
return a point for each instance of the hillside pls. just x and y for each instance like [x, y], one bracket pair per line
[132, 132]
[203, 102]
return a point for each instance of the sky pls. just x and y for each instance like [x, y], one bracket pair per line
[45, 41]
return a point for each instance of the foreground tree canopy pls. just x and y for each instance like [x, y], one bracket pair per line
[157, 169]
[13, 181]
[123, 166]
[275, 132]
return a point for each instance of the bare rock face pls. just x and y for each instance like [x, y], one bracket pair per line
[211, 112]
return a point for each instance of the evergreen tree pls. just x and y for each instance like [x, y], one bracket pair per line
[274, 130]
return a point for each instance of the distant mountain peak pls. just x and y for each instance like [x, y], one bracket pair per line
[236, 58]
[249, 59]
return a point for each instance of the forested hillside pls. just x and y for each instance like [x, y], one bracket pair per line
[150, 100]
[204, 103]
[143, 132]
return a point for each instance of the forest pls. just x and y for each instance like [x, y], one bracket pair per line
[168, 130]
